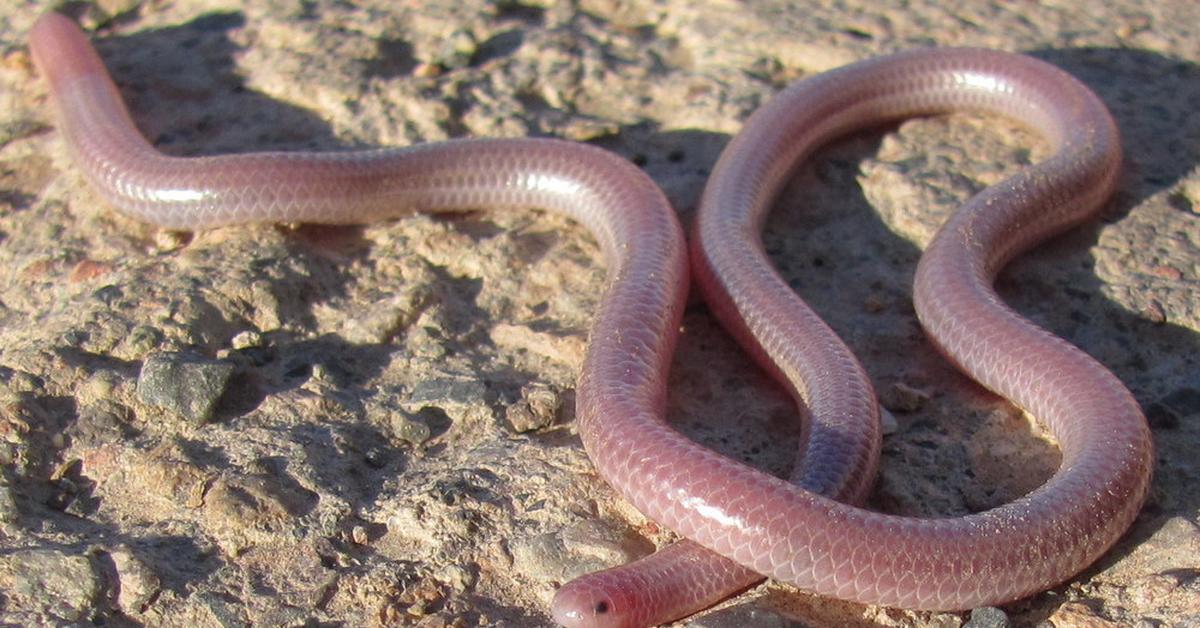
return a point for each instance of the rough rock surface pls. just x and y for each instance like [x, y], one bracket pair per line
[394, 442]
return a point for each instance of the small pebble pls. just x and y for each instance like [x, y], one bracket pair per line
[457, 50]
[246, 340]
[537, 408]
[461, 397]
[186, 385]
[378, 457]
[426, 70]
[409, 429]
[902, 398]
[988, 617]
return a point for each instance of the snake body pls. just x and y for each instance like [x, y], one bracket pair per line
[743, 524]
[833, 548]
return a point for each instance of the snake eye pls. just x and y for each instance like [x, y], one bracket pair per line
[601, 607]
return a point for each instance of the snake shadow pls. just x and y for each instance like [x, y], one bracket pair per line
[832, 245]
[1153, 100]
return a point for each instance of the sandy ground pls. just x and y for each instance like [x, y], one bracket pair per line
[291, 425]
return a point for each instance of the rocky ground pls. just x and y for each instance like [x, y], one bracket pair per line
[294, 425]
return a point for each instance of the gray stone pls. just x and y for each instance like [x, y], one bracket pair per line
[409, 428]
[187, 385]
[461, 396]
[988, 617]
[407, 422]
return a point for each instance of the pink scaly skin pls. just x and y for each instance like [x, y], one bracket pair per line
[836, 549]
[762, 523]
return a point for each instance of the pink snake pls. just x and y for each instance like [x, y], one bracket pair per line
[743, 524]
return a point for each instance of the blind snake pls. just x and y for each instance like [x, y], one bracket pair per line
[741, 522]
